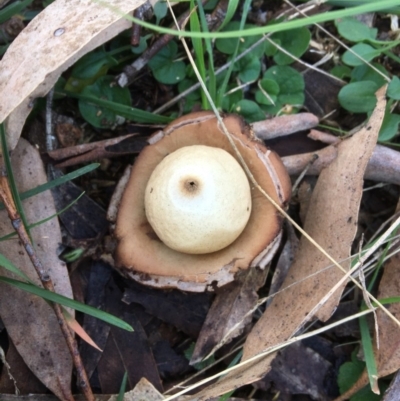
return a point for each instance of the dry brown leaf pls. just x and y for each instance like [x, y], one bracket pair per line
[332, 221]
[54, 40]
[230, 312]
[388, 355]
[143, 391]
[30, 321]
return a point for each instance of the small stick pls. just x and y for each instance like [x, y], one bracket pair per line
[131, 71]
[6, 197]
[136, 29]
[284, 125]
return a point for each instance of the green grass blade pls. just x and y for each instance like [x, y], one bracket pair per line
[15, 8]
[58, 181]
[38, 223]
[230, 12]
[11, 180]
[224, 85]
[130, 113]
[368, 349]
[198, 50]
[122, 388]
[8, 265]
[67, 302]
[281, 26]
[212, 82]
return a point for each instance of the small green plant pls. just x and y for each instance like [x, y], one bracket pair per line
[358, 96]
[349, 372]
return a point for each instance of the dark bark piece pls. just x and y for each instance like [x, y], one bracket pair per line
[185, 311]
[298, 369]
[97, 329]
[321, 93]
[230, 312]
[85, 219]
[169, 363]
[125, 351]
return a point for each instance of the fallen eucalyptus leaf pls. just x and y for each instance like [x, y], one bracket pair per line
[54, 40]
[332, 221]
[29, 320]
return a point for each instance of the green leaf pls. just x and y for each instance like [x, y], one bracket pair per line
[269, 92]
[291, 87]
[349, 372]
[393, 90]
[295, 41]
[358, 97]
[131, 113]
[228, 46]
[186, 84]
[341, 71]
[104, 88]
[354, 30]
[249, 110]
[142, 45]
[249, 67]
[365, 51]
[164, 67]
[366, 73]
[69, 303]
[88, 69]
[160, 10]
[229, 100]
[390, 126]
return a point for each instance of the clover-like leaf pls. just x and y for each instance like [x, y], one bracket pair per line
[358, 97]
[354, 30]
[295, 41]
[291, 87]
[250, 110]
[363, 50]
[164, 66]
[103, 88]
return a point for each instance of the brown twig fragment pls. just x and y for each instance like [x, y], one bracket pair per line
[284, 125]
[7, 199]
[88, 152]
[130, 72]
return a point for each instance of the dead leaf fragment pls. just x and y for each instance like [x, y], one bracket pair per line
[332, 221]
[30, 321]
[230, 312]
[54, 40]
[143, 391]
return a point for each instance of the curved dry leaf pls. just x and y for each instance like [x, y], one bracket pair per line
[332, 221]
[53, 41]
[30, 321]
[230, 312]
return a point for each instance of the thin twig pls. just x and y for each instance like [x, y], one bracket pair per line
[7, 199]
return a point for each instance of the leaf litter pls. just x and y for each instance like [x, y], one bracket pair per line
[30, 322]
[332, 220]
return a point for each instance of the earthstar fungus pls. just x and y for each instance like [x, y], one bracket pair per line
[142, 255]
